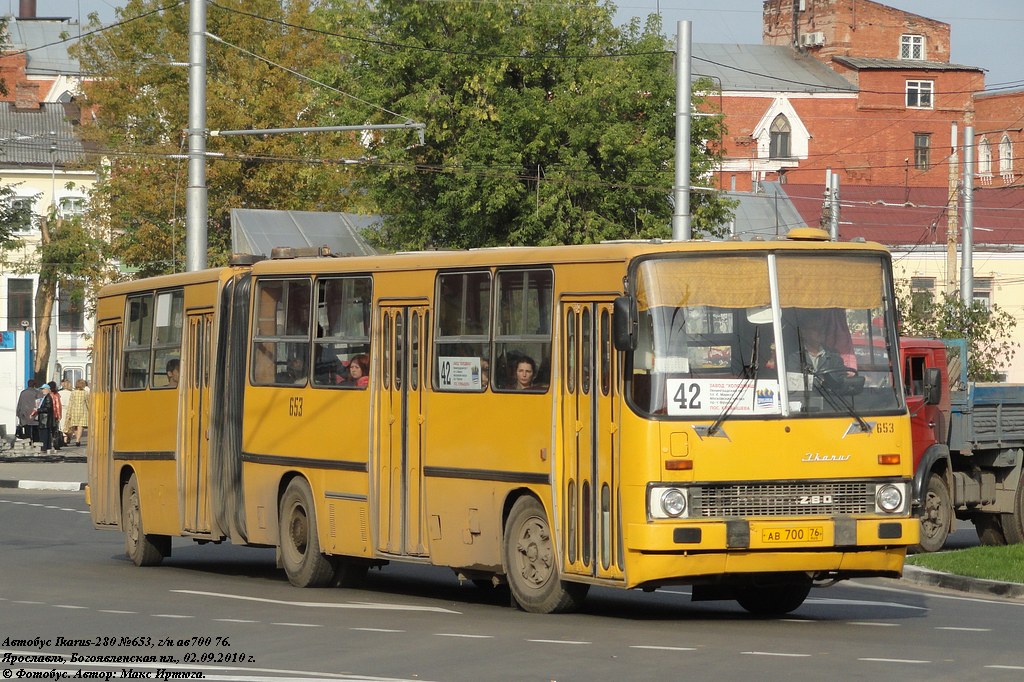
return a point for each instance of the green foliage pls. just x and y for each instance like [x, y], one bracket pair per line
[987, 331]
[140, 97]
[546, 124]
[1005, 564]
[11, 218]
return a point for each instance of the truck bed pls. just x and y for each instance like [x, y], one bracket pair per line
[987, 416]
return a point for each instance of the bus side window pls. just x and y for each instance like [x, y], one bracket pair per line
[281, 332]
[462, 305]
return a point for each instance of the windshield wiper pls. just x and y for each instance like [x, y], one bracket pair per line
[749, 374]
[835, 399]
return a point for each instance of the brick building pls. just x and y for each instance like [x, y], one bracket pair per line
[853, 86]
[999, 135]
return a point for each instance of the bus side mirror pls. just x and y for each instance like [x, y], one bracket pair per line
[932, 386]
[624, 323]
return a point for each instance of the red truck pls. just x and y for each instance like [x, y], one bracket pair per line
[968, 446]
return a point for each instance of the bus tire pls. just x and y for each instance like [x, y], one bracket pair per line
[531, 564]
[774, 599]
[1013, 523]
[303, 562]
[142, 549]
[936, 515]
[990, 529]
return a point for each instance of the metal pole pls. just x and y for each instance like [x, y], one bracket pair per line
[952, 218]
[833, 224]
[967, 258]
[196, 200]
[681, 188]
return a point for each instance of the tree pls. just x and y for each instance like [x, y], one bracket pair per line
[546, 124]
[140, 94]
[11, 218]
[987, 331]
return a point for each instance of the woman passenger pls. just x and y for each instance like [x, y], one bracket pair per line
[359, 370]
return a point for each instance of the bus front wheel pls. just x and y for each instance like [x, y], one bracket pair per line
[531, 564]
[303, 563]
[142, 549]
[774, 598]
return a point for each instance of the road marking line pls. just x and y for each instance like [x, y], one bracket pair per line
[27, 602]
[116, 611]
[774, 653]
[864, 602]
[964, 629]
[300, 625]
[459, 634]
[557, 641]
[322, 605]
[892, 660]
[234, 620]
[68, 606]
[662, 648]
[170, 615]
[1006, 667]
[873, 624]
[937, 595]
[376, 630]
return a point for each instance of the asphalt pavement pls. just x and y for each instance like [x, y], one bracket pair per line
[25, 466]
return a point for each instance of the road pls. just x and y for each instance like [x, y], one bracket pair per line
[225, 612]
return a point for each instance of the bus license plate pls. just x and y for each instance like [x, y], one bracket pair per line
[796, 534]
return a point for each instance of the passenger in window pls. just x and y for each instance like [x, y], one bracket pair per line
[359, 370]
[526, 372]
[485, 373]
[173, 372]
[295, 371]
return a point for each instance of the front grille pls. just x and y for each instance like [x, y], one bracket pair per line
[784, 499]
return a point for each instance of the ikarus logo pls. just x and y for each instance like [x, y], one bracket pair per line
[818, 457]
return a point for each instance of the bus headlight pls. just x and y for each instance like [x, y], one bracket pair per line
[668, 503]
[889, 498]
[673, 502]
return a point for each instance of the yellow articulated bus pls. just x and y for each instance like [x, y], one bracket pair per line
[728, 415]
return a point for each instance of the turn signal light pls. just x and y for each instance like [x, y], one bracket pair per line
[679, 465]
[888, 459]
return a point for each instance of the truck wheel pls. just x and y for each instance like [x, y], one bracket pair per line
[303, 562]
[936, 515]
[531, 563]
[1013, 523]
[990, 530]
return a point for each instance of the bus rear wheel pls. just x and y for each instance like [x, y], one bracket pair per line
[775, 598]
[142, 549]
[531, 564]
[303, 562]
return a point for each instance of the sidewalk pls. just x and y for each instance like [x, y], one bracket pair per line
[24, 466]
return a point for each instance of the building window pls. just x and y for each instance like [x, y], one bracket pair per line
[982, 292]
[984, 158]
[922, 151]
[922, 294]
[19, 304]
[911, 47]
[1006, 158]
[779, 136]
[71, 206]
[22, 213]
[71, 309]
[919, 94]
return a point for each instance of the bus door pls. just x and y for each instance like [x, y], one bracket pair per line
[589, 489]
[401, 523]
[195, 446]
[105, 494]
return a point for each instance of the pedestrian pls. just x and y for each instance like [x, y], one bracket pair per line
[28, 425]
[78, 412]
[56, 435]
[44, 414]
[65, 398]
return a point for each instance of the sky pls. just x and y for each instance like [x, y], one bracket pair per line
[985, 33]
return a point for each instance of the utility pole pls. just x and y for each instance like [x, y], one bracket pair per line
[952, 213]
[681, 228]
[967, 257]
[196, 197]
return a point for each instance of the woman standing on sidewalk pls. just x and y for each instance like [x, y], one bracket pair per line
[78, 411]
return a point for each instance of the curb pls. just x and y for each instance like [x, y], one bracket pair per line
[961, 583]
[43, 485]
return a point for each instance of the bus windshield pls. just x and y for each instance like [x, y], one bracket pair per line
[763, 334]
